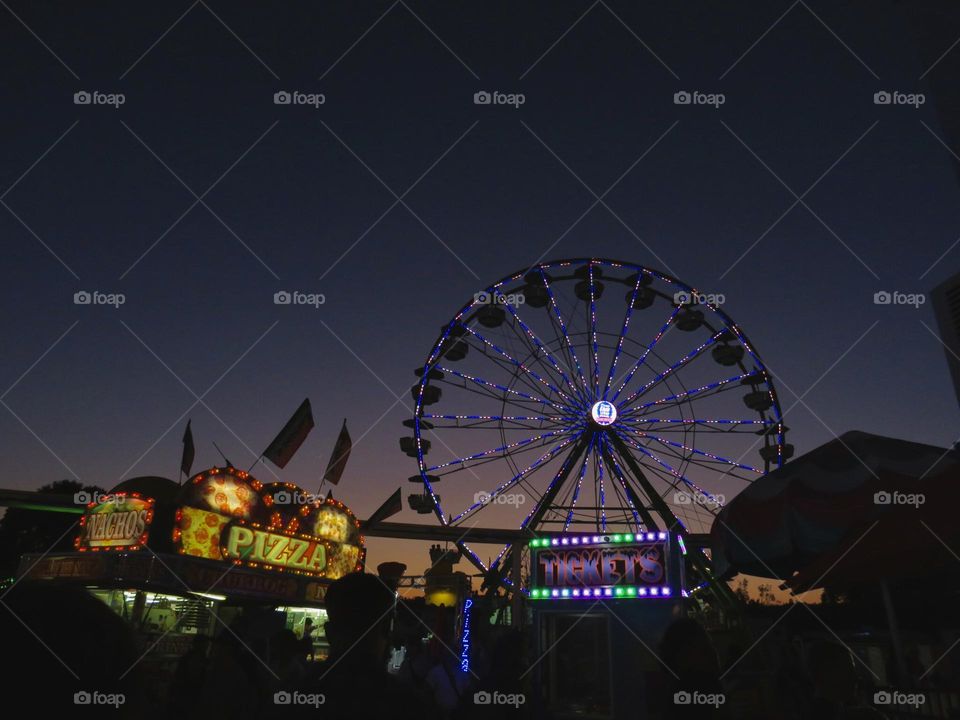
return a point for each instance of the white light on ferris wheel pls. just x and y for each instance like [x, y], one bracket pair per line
[603, 412]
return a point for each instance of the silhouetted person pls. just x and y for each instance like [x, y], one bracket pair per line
[287, 658]
[306, 641]
[836, 685]
[353, 680]
[503, 674]
[693, 688]
[66, 652]
[241, 654]
[190, 675]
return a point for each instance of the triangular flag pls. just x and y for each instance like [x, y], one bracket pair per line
[338, 460]
[392, 506]
[286, 443]
[186, 460]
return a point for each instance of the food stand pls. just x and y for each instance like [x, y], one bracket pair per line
[180, 562]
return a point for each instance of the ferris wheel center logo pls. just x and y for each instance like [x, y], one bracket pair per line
[603, 413]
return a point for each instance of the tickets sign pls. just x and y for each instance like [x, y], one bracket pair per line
[597, 567]
[616, 566]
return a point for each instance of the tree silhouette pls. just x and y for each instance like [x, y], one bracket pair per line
[37, 531]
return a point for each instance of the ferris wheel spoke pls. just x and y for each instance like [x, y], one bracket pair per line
[708, 423]
[502, 388]
[593, 333]
[678, 476]
[694, 451]
[498, 422]
[563, 330]
[678, 401]
[564, 343]
[579, 484]
[622, 502]
[696, 352]
[635, 499]
[649, 349]
[642, 469]
[522, 405]
[699, 505]
[539, 347]
[470, 466]
[678, 397]
[534, 466]
[526, 383]
[495, 451]
[521, 345]
[602, 492]
[623, 335]
[495, 418]
[543, 504]
[516, 363]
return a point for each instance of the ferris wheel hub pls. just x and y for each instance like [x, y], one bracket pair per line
[603, 413]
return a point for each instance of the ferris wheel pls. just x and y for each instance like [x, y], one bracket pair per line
[590, 395]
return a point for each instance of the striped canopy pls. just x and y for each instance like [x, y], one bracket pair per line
[811, 506]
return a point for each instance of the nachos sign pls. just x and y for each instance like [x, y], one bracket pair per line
[120, 521]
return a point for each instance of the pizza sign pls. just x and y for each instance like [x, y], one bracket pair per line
[256, 546]
[226, 514]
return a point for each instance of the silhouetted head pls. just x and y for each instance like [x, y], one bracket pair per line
[62, 641]
[832, 671]
[359, 611]
[686, 650]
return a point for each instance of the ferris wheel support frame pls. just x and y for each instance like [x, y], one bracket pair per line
[698, 558]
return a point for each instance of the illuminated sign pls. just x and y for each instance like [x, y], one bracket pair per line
[226, 514]
[603, 412]
[283, 551]
[465, 637]
[618, 566]
[120, 521]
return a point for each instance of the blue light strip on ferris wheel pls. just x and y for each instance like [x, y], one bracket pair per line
[623, 334]
[695, 391]
[576, 490]
[530, 468]
[642, 358]
[673, 472]
[494, 451]
[620, 478]
[540, 346]
[519, 364]
[566, 335]
[593, 332]
[676, 366]
[675, 444]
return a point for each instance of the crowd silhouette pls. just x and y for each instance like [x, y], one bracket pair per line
[61, 642]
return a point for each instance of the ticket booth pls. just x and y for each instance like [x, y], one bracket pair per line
[600, 606]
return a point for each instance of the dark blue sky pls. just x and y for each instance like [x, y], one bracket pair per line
[399, 82]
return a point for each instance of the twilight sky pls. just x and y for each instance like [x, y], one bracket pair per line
[199, 198]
